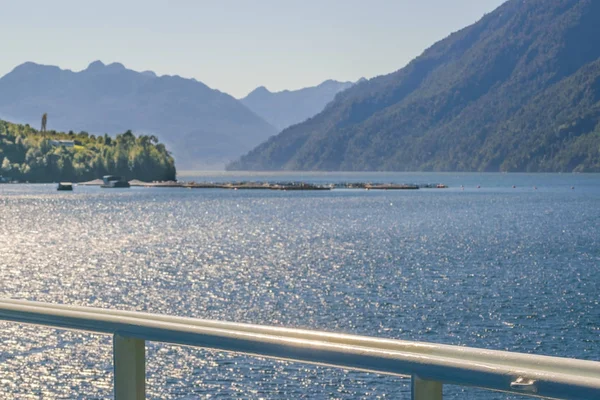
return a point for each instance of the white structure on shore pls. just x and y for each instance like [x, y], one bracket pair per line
[65, 143]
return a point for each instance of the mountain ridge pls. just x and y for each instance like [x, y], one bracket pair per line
[289, 107]
[466, 103]
[203, 126]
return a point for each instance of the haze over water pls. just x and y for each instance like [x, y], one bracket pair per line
[496, 267]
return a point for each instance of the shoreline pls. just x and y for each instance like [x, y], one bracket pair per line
[293, 185]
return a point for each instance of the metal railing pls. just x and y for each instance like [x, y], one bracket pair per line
[429, 365]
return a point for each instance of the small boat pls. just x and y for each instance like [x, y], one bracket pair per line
[114, 181]
[65, 186]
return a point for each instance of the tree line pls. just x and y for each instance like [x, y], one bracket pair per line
[36, 156]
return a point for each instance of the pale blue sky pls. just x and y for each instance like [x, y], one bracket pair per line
[233, 45]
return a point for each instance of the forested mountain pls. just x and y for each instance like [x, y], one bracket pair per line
[289, 107]
[517, 91]
[30, 155]
[201, 126]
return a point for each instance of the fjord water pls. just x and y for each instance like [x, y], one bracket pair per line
[496, 267]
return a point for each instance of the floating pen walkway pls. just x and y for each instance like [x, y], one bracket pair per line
[429, 365]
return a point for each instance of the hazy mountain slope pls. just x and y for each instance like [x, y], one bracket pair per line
[516, 91]
[203, 127]
[289, 107]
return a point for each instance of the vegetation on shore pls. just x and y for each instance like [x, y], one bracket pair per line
[35, 156]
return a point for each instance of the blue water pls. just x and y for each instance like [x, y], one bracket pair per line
[496, 266]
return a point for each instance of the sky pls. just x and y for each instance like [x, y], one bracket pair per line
[233, 45]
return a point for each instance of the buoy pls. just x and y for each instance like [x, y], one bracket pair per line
[514, 187]
[535, 188]
[478, 186]
[572, 187]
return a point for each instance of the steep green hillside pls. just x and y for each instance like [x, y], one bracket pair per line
[517, 91]
[29, 155]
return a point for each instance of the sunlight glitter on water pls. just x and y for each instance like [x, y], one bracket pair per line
[497, 269]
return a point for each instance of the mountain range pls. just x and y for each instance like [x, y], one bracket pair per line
[517, 91]
[203, 127]
[290, 107]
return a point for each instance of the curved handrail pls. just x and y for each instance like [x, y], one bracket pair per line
[496, 370]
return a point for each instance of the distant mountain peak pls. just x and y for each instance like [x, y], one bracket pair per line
[152, 74]
[259, 91]
[32, 71]
[99, 66]
[115, 66]
[31, 66]
[329, 82]
[262, 91]
[95, 66]
[27, 64]
[288, 107]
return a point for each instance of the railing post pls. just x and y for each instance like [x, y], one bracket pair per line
[422, 389]
[129, 360]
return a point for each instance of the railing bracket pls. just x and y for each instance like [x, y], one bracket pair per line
[524, 385]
